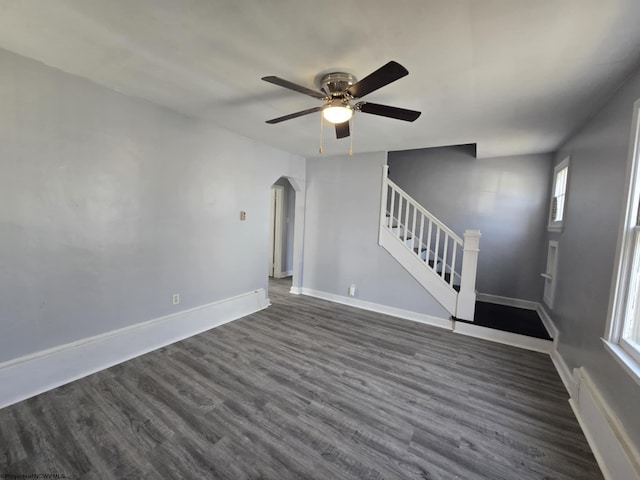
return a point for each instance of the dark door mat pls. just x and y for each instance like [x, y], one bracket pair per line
[509, 319]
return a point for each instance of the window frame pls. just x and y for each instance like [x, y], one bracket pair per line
[558, 225]
[624, 284]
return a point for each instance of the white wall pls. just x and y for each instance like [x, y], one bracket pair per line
[341, 236]
[109, 205]
[587, 247]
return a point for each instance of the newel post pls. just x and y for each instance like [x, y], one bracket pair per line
[466, 305]
[383, 202]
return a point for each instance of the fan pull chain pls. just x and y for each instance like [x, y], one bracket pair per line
[351, 136]
[321, 125]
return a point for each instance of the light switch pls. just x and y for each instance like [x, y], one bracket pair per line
[243, 215]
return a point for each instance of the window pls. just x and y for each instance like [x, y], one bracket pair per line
[559, 196]
[622, 337]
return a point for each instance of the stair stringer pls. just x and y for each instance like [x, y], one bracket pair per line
[430, 281]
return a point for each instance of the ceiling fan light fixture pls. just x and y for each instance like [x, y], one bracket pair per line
[337, 113]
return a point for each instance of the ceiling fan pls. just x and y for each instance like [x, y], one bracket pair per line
[339, 89]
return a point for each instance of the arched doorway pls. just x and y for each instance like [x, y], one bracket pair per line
[282, 236]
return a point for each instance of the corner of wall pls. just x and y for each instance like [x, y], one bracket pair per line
[37, 373]
[615, 453]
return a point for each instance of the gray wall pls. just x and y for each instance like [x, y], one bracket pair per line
[109, 205]
[505, 198]
[341, 236]
[289, 213]
[587, 247]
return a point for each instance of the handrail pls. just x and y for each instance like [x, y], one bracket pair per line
[425, 212]
[446, 254]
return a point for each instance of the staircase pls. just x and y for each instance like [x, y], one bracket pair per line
[442, 262]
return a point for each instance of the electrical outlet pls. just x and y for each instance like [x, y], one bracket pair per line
[243, 215]
[352, 290]
[176, 298]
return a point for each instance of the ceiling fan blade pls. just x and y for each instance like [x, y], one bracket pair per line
[342, 130]
[387, 111]
[294, 115]
[385, 75]
[294, 86]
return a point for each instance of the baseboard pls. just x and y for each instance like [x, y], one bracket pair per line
[286, 274]
[376, 307]
[36, 373]
[525, 304]
[295, 290]
[547, 321]
[557, 359]
[509, 302]
[506, 338]
[615, 453]
[563, 370]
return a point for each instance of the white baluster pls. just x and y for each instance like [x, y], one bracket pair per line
[406, 218]
[393, 201]
[444, 256]
[435, 259]
[383, 203]
[413, 229]
[400, 201]
[454, 253]
[428, 254]
[421, 233]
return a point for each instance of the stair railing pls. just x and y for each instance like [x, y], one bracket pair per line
[422, 233]
[451, 258]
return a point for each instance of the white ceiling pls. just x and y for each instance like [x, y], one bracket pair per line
[513, 76]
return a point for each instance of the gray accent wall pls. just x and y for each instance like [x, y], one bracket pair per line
[109, 205]
[587, 246]
[341, 236]
[505, 198]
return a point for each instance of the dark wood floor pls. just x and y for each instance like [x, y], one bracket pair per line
[308, 389]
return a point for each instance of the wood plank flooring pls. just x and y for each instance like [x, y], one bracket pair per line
[308, 389]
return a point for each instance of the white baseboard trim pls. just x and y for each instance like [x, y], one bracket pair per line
[547, 321]
[525, 304]
[558, 361]
[285, 274]
[498, 336]
[30, 375]
[563, 370]
[614, 451]
[295, 290]
[509, 302]
[376, 307]
[506, 338]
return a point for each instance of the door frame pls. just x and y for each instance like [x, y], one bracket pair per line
[275, 234]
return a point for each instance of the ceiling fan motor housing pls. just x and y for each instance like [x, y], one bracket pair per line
[335, 84]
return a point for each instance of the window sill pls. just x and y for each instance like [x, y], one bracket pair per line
[628, 363]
